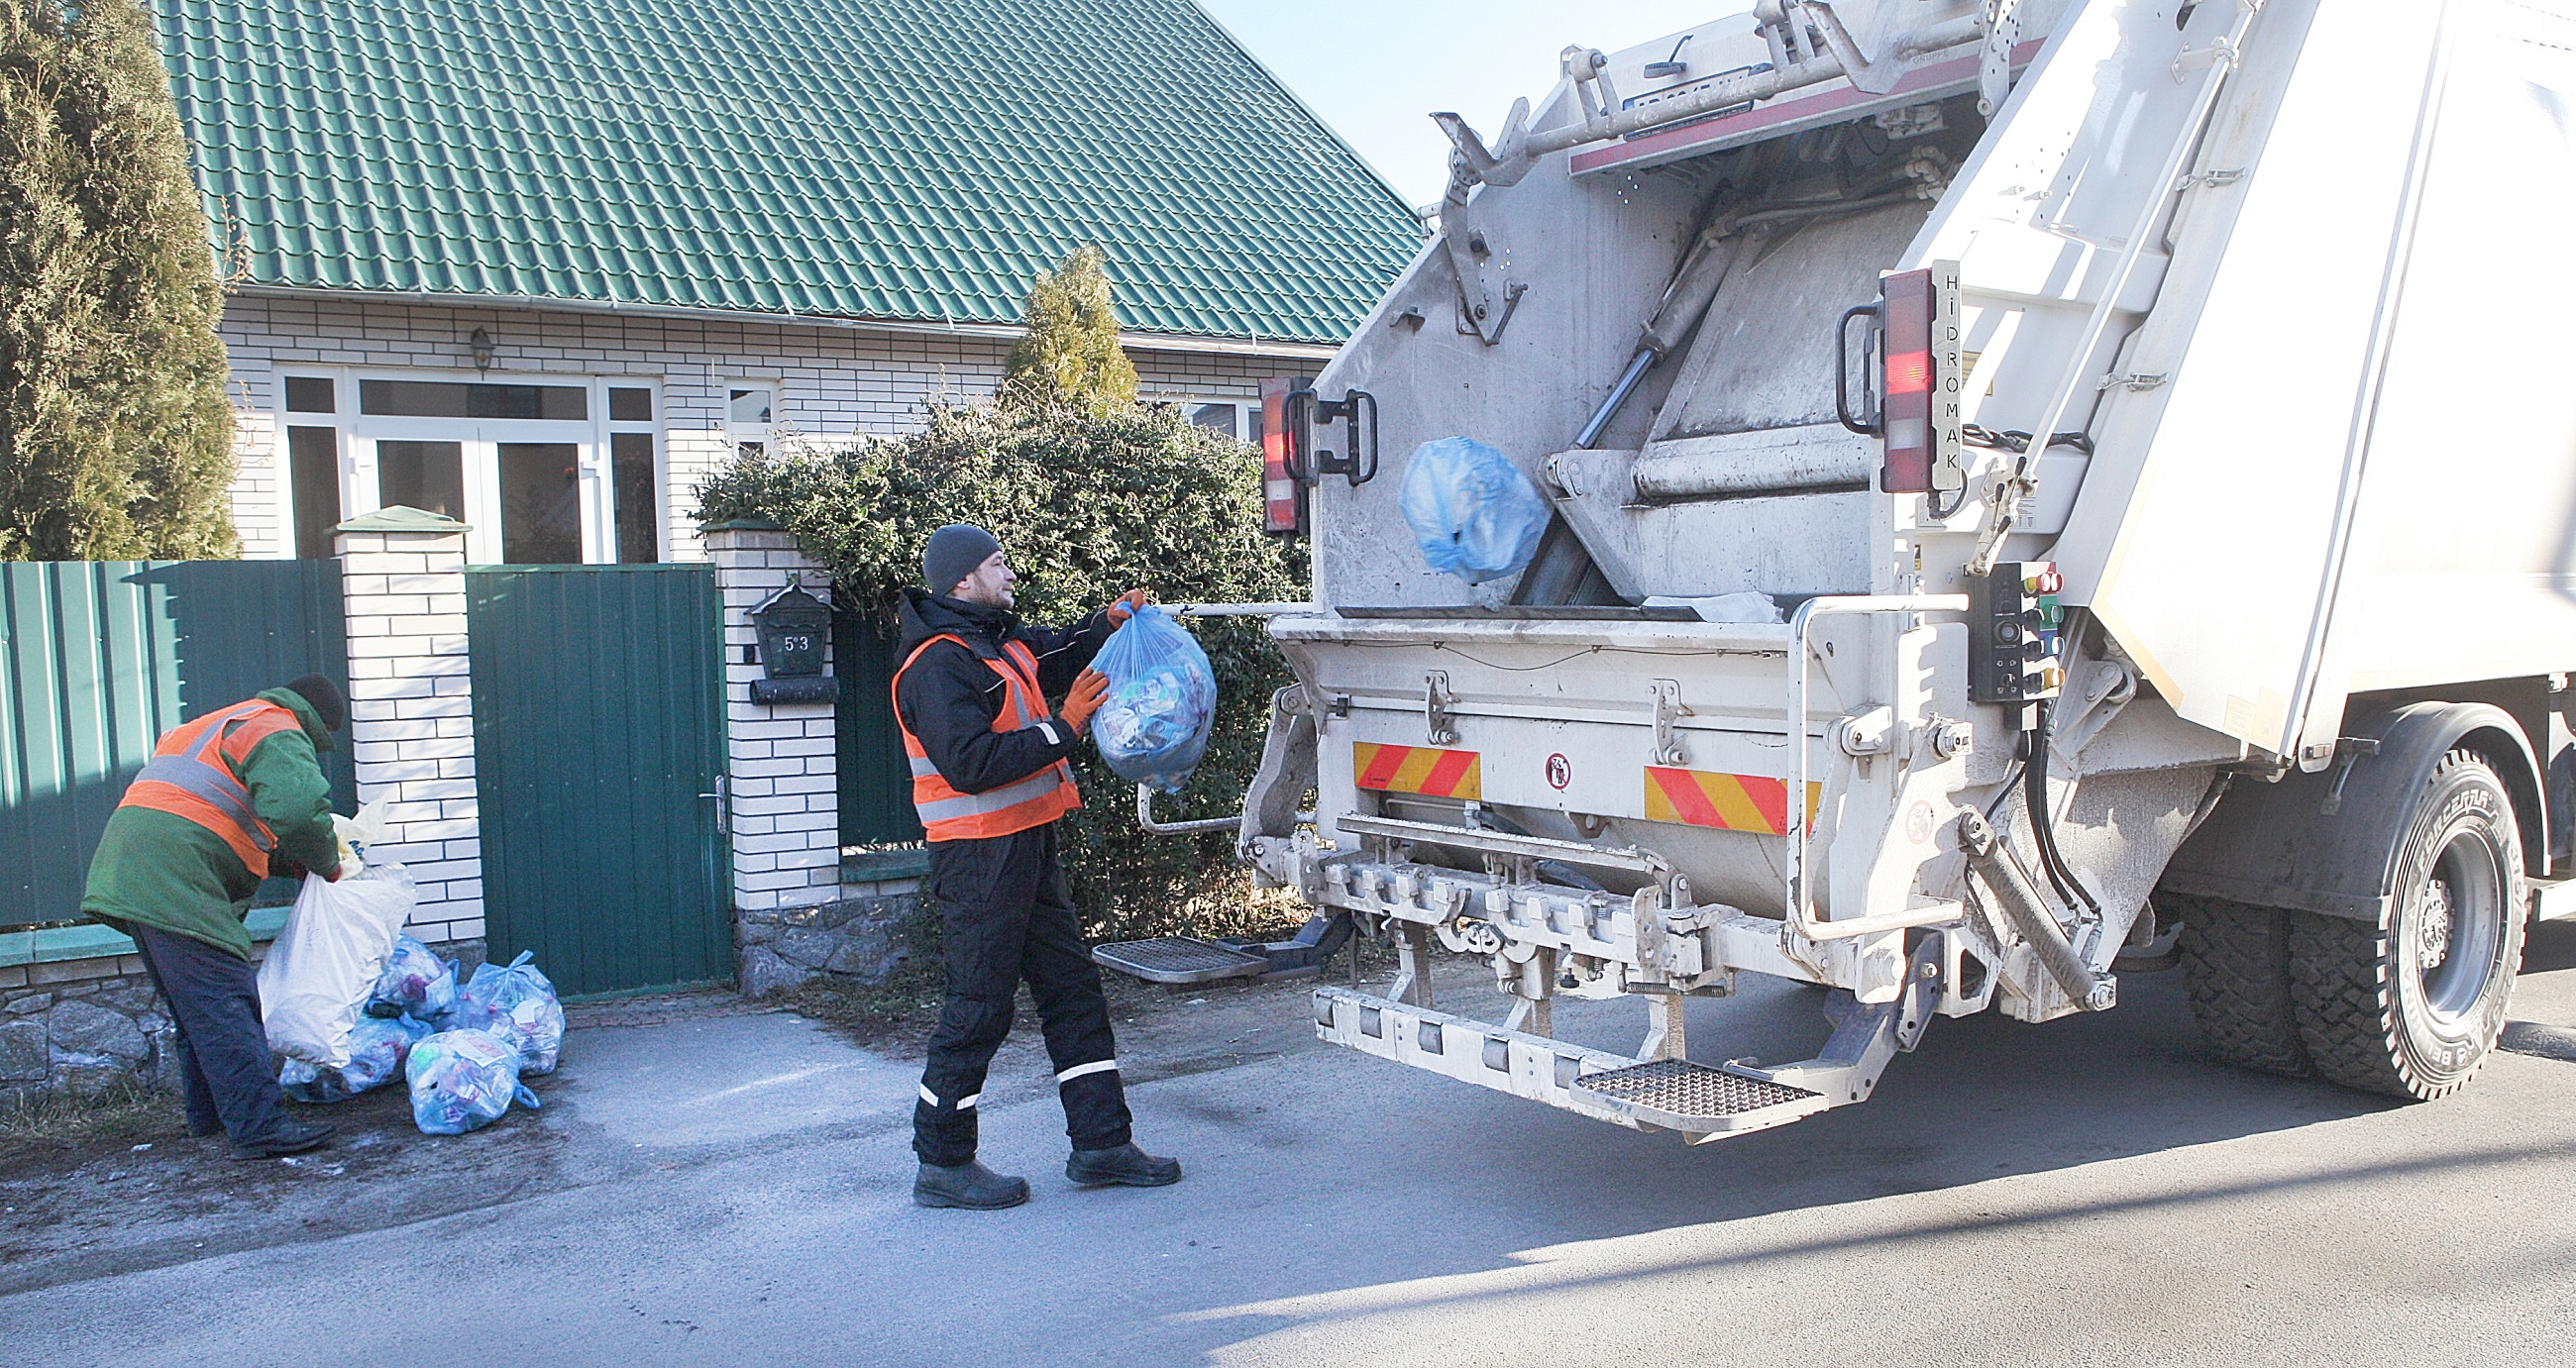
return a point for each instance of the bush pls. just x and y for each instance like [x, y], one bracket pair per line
[1089, 505]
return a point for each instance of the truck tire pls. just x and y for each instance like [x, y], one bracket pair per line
[2236, 964]
[2411, 1006]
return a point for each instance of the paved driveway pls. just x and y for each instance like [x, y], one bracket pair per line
[2089, 1191]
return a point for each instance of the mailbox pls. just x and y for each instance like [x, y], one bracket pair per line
[793, 626]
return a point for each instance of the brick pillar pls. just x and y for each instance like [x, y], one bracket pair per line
[410, 715]
[785, 784]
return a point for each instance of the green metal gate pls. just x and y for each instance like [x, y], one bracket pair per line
[598, 724]
[98, 658]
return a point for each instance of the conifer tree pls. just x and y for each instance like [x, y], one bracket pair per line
[115, 432]
[1070, 354]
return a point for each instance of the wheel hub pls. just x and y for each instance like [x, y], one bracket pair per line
[2433, 926]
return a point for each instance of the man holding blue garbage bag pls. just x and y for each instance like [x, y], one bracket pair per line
[225, 801]
[989, 780]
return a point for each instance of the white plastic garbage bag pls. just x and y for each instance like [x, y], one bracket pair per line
[323, 966]
[1473, 513]
[356, 834]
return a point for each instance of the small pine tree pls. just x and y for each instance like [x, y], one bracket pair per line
[115, 432]
[1070, 354]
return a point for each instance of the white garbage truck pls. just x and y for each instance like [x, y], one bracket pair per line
[2038, 487]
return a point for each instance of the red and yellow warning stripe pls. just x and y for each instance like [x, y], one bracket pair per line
[1418, 769]
[1728, 802]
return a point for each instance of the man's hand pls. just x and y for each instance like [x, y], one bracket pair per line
[1089, 687]
[1125, 605]
[334, 875]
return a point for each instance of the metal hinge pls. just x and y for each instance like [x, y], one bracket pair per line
[2212, 179]
[1437, 702]
[2134, 381]
[1668, 711]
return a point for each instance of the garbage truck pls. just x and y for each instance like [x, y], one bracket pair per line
[2036, 488]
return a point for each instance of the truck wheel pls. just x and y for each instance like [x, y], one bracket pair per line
[2236, 964]
[2411, 1007]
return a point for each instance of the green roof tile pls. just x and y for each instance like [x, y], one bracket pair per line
[893, 159]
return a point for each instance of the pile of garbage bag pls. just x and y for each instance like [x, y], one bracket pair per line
[1152, 727]
[350, 1003]
[1473, 513]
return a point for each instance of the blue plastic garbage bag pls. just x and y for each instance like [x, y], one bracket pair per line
[517, 1003]
[1473, 513]
[463, 1080]
[415, 983]
[1152, 726]
[378, 1048]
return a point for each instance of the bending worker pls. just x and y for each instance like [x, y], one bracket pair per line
[224, 802]
[989, 779]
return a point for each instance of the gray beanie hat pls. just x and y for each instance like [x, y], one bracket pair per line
[953, 553]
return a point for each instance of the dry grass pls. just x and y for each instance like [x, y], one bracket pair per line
[125, 1110]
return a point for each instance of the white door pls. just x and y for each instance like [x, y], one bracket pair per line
[522, 465]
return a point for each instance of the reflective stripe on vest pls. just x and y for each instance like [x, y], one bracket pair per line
[1040, 798]
[188, 776]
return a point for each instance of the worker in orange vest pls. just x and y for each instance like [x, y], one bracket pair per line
[225, 801]
[989, 779]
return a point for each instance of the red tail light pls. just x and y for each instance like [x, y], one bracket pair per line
[1283, 505]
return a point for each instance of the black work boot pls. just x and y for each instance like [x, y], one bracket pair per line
[1123, 1166]
[292, 1137]
[969, 1185]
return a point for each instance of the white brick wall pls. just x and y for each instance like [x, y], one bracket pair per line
[781, 759]
[410, 717]
[832, 381]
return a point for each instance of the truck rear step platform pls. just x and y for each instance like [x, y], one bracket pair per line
[1179, 959]
[1682, 1096]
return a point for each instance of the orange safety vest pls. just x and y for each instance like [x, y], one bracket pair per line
[192, 774]
[949, 815]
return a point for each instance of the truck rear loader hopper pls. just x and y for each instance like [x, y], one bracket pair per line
[1832, 667]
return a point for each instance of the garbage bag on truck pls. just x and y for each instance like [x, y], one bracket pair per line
[1152, 726]
[518, 1004]
[463, 1080]
[415, 983]
[322, 967]
[378, 1048]
[1473, 513]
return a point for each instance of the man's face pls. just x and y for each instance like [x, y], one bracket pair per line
[990, 584]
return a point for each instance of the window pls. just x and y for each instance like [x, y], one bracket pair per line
[630, 459]
[309, 394]
[313, 471]
[747, 417]
[429, 476]
[439, 399]
[1235, 418]
[630, 405]
[540, 503]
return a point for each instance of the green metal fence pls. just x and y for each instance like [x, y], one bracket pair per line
[875, 779]
[98, 658]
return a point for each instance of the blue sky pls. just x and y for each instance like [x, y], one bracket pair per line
[1374, 68]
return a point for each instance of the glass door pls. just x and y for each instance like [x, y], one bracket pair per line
[520, 464]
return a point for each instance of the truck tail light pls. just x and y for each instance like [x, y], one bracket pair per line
[1920, 414]
[1283, 494]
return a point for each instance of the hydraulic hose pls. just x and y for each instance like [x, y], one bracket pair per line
[2043, 827]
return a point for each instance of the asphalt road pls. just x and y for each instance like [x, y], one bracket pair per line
[2088, 1192]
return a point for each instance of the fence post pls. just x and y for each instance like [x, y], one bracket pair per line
[411, 717]
[784, 785]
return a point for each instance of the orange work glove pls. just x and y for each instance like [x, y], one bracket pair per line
[1124, 607]
[1089, 687]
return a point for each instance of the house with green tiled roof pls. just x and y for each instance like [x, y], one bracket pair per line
[542, 263]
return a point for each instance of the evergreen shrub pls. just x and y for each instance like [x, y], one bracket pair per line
[1088, 504]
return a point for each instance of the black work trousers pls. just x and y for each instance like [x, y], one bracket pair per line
[226, 1074]
[1005, 915]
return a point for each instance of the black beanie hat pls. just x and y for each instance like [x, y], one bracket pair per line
[326, 699]
[953, 553]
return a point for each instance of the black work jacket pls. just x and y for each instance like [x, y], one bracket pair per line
[949, 697]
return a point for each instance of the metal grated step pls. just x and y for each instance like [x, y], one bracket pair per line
[1678, 1093]
[1178, 959]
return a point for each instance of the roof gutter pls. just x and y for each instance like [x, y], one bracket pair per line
[996, 332]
